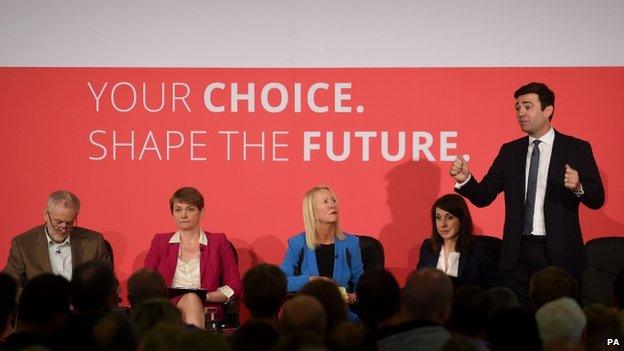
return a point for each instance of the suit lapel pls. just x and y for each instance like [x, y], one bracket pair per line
[462, 264]
[77, 249]
[521, 156]
[41, 255]
[432, 257]
[310, 258]
[556, 163]
[204, 262]
[340, 251]
[171, 261]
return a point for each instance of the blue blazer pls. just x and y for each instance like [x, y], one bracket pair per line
[344, 273]
[476, 267]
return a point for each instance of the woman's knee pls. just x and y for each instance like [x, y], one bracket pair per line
[190, 301]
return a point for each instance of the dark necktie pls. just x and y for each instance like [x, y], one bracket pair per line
[529, 205]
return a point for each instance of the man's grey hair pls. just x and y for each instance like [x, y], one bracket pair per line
[561, 320]
[64, 197]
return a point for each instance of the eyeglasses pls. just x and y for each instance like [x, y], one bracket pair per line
[61, 226]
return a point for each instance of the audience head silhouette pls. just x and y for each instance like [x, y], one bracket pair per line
[379, 296]
[145, 284]
[264, 290]
[93, 287]
[428, 294]
[549, 284]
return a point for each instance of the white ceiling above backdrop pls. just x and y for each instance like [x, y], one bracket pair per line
[320, 33]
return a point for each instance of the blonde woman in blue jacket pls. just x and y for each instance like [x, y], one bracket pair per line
[323, 251]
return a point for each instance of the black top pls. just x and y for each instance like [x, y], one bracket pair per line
[325, 260]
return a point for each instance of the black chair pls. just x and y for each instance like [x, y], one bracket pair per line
[373, 258]
[605, 257]
[495, 245]
[372, 253]
[117, 308]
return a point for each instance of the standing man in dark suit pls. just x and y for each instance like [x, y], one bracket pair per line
[56, 246]
[545, 176]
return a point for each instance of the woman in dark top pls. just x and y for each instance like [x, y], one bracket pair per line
[451, 248]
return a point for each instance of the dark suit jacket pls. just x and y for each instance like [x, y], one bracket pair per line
[475, 267]
[563, 230]
[29, 257]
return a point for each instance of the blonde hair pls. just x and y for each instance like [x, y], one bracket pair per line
[310, 220]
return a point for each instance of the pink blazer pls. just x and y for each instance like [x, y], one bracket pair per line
[217, 264]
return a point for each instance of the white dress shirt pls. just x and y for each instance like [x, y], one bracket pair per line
[453, 263]
[60, 256]
[545, 147]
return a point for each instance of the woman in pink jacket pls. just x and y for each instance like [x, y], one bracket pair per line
[194, 259]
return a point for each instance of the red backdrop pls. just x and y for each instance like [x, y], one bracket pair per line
[54, 135]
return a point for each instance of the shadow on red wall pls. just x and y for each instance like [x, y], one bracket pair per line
[411, 189]
[597, 224]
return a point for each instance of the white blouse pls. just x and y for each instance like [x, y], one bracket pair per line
[453, 266]
[187, 274]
